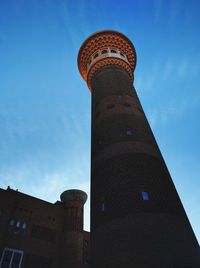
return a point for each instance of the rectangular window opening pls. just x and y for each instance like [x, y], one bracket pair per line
[103, 207]
[145, 196]
[11, 258]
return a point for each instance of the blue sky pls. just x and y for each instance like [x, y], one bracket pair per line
[45, 104]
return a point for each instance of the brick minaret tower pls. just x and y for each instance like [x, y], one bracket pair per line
[137, 219]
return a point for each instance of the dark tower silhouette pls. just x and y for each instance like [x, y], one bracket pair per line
[137, 218]
[72, 235]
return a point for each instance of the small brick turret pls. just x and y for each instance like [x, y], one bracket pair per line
[73, 236]
[74, 201]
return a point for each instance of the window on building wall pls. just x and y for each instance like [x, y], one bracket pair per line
[96, 55]
[16, 260]
[18, 224]
[129, 132]
[11, 258]
[103, 207]
[113, 51]
[24, 226]
[145, 196]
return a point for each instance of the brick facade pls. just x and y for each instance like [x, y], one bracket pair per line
[42, 234]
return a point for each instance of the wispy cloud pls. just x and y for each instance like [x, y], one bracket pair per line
[177, 69]
[171, 112]
[146, 82]
[181, 68]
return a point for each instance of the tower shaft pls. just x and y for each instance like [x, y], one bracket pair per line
[137, 218]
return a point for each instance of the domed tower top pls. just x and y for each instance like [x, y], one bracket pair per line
[105, 48]
[73, 195]
[73, 201]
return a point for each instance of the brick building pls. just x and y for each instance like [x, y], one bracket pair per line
[137, 218]
[38, 234]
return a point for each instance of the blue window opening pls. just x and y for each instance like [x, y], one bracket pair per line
[129, 132]
[145, 196]
[103, 207]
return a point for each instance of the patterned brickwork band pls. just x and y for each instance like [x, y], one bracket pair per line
[106, 48]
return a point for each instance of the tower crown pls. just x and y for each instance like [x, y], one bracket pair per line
[106, 48]
[73, 195]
